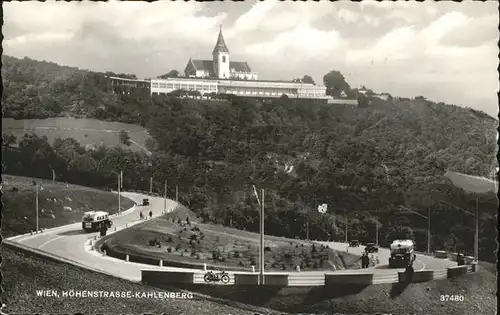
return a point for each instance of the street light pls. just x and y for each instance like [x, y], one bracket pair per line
[165, 199]
[261, 251]
[476, 219]
[36, 203]
[428, 217]
[119, 176]
[53, 176]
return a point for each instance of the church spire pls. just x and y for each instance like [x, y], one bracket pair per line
[220, 46]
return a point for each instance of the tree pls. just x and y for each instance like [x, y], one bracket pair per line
[308, 79]
[170, 74]
[124, 137]
[335, 83]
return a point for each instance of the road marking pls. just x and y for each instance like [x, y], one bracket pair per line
[50, 241]
[423, 265]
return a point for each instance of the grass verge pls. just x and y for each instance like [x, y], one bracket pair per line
[59, 204]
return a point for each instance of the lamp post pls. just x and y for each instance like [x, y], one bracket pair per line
[428, 217]
[476, 233]
[345, 218]
[36, 203]
[151, 185]
[53, 176]
[165, 199]
[261, 249]
[119, 176]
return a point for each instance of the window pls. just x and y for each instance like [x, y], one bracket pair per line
[170, 85]
[223, 59]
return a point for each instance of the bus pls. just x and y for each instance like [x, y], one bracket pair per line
[92, 220]
[401, 253]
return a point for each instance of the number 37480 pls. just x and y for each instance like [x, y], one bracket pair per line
[451, 298]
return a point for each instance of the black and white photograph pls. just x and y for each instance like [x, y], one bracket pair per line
[249, 157]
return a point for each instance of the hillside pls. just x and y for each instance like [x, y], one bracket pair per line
[88, 132]
[59, 204]
[20, 287]
[363, 162]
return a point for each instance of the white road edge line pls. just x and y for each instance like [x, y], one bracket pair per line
[50, 241]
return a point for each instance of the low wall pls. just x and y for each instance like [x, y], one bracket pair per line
[452, 256]
[457, 271]
[335, 279]
[440, 254]
[155, 277]
[253, 279]
[418, 276]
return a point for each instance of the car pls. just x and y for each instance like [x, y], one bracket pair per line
[145, 202]
[371, 248]
[354, 243]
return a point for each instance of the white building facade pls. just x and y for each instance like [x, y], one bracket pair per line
[221, 75]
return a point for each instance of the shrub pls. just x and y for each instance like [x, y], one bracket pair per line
[193, 237]
[169, 239]
[198, 242]
[267, 249]
[169, 249]
[241, 264]
[288, 256]
[179, 221]
[177, 247]
[313, 249]
[186, 250]
[197, 256]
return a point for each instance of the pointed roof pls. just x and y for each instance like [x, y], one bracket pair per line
[220, 46]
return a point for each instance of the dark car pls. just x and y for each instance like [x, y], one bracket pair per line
[371, 248]
[145, 202]
[354, 243]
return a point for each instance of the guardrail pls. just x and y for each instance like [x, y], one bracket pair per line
[306, 279]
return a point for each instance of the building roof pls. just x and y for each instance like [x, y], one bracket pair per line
[220, 46]
[208, 65]
[239, 66]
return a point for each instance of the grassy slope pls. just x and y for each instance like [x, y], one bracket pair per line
[238, 248]
[18, 213]
[23, 274]
[85, 131]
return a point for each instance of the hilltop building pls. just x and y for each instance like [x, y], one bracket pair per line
[221, 75]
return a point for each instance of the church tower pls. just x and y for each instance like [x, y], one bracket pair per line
[221, 58]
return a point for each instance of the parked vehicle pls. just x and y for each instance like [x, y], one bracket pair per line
[371, 248]
[354, 243]
[93, 220]
[145, 202]
[401, 253]
[212, 276]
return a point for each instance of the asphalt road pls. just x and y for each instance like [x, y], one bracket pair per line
[73, 243]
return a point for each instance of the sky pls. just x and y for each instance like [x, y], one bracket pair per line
[445, 51]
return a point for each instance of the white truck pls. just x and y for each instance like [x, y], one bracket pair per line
[401, 253]
[92, 220]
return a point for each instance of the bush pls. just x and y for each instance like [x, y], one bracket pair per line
[313, 249]
[241, 264]
[193, 237]
[177, 247]
[169, 249]
[169, 239]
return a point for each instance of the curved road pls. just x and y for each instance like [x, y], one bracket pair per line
[73, 243]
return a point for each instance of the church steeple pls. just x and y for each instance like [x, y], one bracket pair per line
[220, 46]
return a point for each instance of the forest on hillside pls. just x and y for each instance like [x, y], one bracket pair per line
[364, 163]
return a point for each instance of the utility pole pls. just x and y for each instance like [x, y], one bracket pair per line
[53, 176]
[261, 276]
[36, 201]
[176, 193]
[429, 232]
[345, 217]
[376, 233]
[476, 236]
[151, 185]
[307, 229]
[121, 179]
[165, 199]
[119, 191]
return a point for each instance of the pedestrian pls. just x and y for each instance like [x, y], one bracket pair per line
[150, 214]
[365, 260]
[141, 216]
